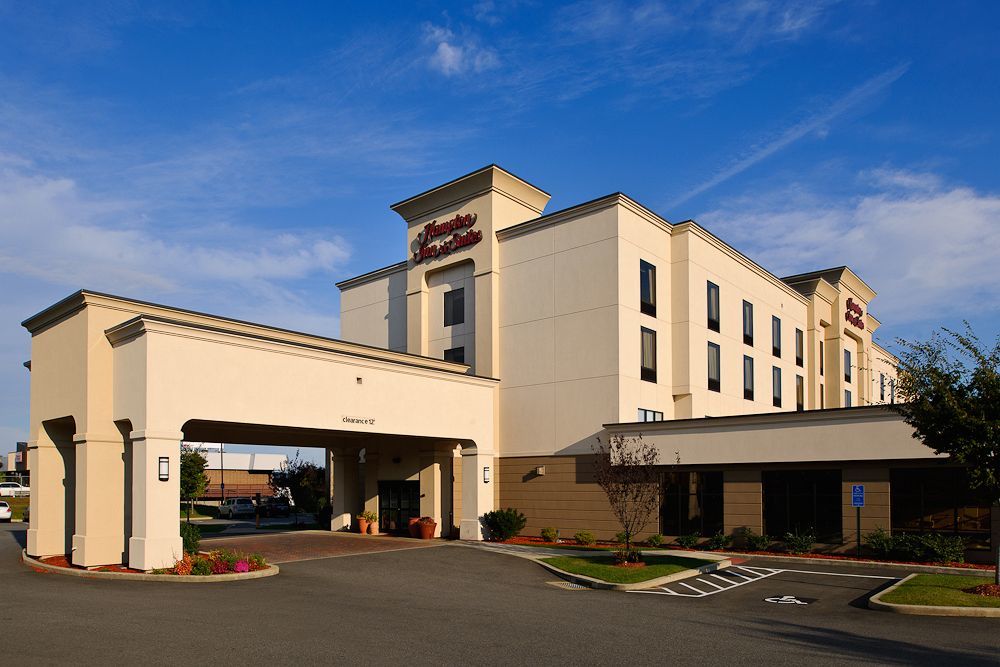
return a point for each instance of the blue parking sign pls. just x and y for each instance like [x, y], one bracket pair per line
[857, 495]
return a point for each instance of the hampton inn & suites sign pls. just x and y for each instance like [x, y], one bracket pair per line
[457, 229]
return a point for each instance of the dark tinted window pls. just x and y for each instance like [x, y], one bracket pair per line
[776, 386]
[454, 307]
[456, 354]
[938, 500]
[748, 378]
[692, 503]
[748, 323]
[647, 288]
[648, 342]
[714, 359]
[800, 501]
[799, 347]
[713, 306]
[776, 336]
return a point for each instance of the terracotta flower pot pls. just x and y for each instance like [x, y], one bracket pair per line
[413, 527]
[363, 526]
[427, 529]
[373, 527]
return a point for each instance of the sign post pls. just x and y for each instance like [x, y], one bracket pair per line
[858, 501]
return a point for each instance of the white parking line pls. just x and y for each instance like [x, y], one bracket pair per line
[734, 579]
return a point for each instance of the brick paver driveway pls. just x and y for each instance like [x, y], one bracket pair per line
[312, 545]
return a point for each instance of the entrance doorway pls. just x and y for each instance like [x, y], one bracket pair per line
[398, 502]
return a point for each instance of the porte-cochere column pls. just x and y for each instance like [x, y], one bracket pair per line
[156, 540]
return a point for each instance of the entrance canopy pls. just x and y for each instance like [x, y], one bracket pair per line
[117, 384]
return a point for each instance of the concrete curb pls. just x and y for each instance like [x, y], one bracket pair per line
[271, 571]
[875, 602]
[639, 585]
[925, 569]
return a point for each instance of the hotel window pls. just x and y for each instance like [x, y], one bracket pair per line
[647, 288]
[822, 397]
[938, 500]
[847, 365]
[776, 386]
[648, 370]
[892, 390]
[692, 503]
[800, 501]
[800, 393]
[847, 398]
[799, 345]
[748, 378]
[822, 359]
[714, 360]
[456, 354]
[748, 323]
[454, 307]
[650, 415]
[881, 387]
[775, 336]
[713, 306]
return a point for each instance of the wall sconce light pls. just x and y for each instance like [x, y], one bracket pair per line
[540, 470]
[486, 474]
[164, 469]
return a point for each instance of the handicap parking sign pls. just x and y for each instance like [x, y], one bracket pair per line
[857, 495]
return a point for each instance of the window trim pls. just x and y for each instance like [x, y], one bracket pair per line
[647, 308]
[748, 392]
[460, 314]
[776, 386]
[647, 373]
[776, 336]
[716, 324]
[800, 345]
[747, 310]
[847, 366]
[714, 384]
[848, 399]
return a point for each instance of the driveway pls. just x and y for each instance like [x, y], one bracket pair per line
[460, 605]
[313, 544]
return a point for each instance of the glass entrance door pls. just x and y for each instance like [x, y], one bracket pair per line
[398, 502]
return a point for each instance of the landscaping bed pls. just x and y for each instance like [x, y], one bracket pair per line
[605, 569]
[941, 590]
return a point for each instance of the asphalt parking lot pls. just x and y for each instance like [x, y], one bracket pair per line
[462, 604]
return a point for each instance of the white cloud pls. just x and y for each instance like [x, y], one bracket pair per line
[454, 55]
[928, 249]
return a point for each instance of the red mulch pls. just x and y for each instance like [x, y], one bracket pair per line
[64, 561]
[630, 566]
[537, 541]
[989, 590]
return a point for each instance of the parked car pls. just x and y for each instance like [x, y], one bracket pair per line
[13, 490]
[5, 512]
[276, 506]
[234, 507]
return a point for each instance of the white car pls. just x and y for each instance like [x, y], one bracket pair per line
[13, 490]
[5, 512]
[233, 507]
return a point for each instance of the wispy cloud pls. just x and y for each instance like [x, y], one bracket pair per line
[454, 55]
[815, 122]
[927, 246]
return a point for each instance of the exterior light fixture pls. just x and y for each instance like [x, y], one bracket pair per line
[164, 468]
[486, 474]
[540, 470]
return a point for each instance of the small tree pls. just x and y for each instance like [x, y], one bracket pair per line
[950, 389]
[626, 470]
[304, 481]
[193, 480]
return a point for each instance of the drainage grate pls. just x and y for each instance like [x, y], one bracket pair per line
[566, 585]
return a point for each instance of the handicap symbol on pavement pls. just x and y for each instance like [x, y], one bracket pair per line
[785, 599]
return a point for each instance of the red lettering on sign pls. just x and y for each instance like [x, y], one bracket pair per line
[461, 236]
[855, 314]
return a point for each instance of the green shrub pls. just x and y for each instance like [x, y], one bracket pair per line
[624, 555]
[656, 540]
[881, 542]
[191, 536]
[931, 547]
[688, 541]
[550, 534]
[800, 543]
[202, 567]
[504, 524]
[621, 537]
[754, 542]
[585, 537]
[719, 541]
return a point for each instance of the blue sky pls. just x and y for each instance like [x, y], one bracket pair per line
[239, 158]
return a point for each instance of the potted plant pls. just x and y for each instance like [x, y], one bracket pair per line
[363, 523]
[426, 526]
[372, 522]
[413, 527]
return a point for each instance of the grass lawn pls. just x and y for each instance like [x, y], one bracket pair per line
[604, 568]
[200, 511]
[943, 590]
[569, 547]
[17, 506]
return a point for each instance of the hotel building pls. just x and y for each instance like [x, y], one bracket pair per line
[481, 370]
